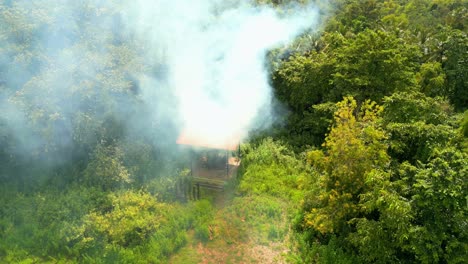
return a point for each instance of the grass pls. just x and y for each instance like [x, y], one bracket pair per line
[247, 229]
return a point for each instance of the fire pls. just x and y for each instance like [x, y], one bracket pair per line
[198, 140]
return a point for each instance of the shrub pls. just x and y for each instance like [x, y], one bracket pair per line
[106, 169]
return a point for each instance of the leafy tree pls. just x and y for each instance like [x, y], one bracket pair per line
[411, 107]
[353, 16]
[456, 69]
[303, 84]
[354, 149]
[431, 79]
[417, 124]
[357, 202]
[438, 193]
[369, 65]
[374, 64]
[464, 132]
[106, 169]
[304, 80]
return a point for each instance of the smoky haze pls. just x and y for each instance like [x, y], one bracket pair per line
[155, 67]
[215, 53]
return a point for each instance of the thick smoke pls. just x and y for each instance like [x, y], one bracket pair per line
[215, 54]
[71, 70]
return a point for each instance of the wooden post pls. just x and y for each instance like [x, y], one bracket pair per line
[186, 189]
[227, 164]
[177, 189]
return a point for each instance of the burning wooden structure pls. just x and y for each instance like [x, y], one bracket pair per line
[212, 164]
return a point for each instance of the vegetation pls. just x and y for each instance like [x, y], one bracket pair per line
[369, 166]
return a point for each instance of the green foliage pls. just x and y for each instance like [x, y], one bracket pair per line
[374, 64]
[106, 169]
[330, 253]
[40, 226]
[417, 124]
[132, 219]
[380, 216]
[415, 142]
[383, 184]
[135, 224]
[139, 160]
[431, 79]
[357, 201]
[438, 191]
[307, 129]
[85, 225]
[203, 215]
[271, 168]
[464, 125]
[261, 218]
[303, 81]
[413, 107]
[355, 155]
[352, 16]
[464, 132]
[456, 69]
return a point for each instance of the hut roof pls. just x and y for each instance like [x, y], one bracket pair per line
[194, 140]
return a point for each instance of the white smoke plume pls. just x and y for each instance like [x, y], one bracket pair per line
[215, 51]
[75, 73]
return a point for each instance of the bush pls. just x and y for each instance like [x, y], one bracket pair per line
[202, 232]
[271, 168]
[106, 169]
[137, 224]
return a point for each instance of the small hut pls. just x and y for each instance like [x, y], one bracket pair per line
[212, 160]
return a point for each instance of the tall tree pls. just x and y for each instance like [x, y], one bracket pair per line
[357, 202]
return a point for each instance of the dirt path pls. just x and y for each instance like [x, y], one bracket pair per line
[218, 252]
[233, 239]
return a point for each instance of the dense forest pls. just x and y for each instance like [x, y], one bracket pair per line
[364, 158]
